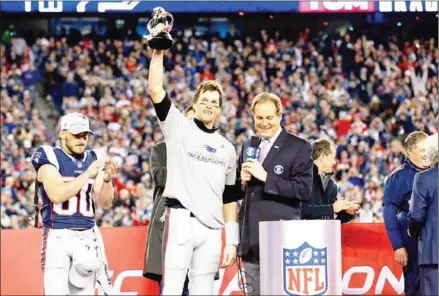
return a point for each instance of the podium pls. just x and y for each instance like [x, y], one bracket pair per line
[300, 257]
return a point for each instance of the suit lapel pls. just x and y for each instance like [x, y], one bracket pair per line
[318, 179]
[329, 190]
[274, 150]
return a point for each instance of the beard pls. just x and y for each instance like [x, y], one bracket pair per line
[72, 151]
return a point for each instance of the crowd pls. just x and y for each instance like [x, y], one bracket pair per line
[364, 95]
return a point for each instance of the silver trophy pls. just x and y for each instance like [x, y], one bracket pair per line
[159, 27]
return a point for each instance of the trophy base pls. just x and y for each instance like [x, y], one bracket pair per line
[162, 41]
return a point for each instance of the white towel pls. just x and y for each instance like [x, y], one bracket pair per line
[103, 276]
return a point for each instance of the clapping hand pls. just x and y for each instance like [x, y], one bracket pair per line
[96, 167]
[111, 168]
[347, 206]
[353, 209]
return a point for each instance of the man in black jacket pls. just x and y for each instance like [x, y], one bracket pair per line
[324, 204]
[274, 185]
[153, 258]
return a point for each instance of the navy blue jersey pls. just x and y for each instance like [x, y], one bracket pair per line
[78, 211]
[397, 193]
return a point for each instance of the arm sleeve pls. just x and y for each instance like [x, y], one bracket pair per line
[299, 185]
[231, 191]
[94, 155]
[158, 164]
[321, 212]
[44, 155]
[392, 200]
[344, 217]
[231, 169]
[162, 108]
[418, 205]
[317, 212]
[234, 192]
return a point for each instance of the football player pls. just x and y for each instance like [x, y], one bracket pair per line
[71, 181]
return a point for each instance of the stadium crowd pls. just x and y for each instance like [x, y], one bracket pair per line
[364, 95]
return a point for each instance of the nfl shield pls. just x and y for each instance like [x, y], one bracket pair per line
[305, 270]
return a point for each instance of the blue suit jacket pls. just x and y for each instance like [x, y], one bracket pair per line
[423, 214]
[289, 169]
[397, 193]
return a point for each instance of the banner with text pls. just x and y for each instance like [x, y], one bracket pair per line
[227, 6]
[368, 266]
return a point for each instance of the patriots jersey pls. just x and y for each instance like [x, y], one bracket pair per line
[79, 210]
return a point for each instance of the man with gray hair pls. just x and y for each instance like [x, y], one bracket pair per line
[423, 219]
[397, 193]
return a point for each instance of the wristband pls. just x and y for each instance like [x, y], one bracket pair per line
[232, 233]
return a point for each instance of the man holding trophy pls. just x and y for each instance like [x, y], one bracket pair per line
[201, 172]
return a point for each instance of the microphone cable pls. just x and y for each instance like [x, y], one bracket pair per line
[245, 280]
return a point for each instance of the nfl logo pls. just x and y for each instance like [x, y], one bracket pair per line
[305, 270]
[79, 165]
[36, 156]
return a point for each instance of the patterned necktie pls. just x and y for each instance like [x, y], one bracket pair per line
[264, 150]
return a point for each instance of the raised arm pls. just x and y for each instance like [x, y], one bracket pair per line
[170, 118]
[155, 77]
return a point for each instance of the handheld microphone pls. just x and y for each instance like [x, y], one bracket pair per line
[245, 282]
[253, 150]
